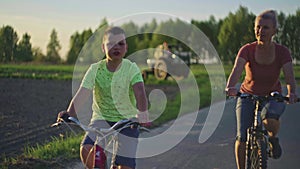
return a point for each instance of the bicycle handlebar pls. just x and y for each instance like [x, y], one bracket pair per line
[118, 126]
[273, 96]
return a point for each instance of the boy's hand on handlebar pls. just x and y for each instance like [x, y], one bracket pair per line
[143, 118]
[63, 116]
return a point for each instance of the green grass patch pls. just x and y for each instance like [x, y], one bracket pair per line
[59, 147]
[33, 71]
[54, 154]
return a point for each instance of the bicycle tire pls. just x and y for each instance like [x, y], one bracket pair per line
[263, 153]
[256, 151]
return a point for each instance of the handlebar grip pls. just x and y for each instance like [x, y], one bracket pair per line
[65, 117]
[284, 98]
[287, 99]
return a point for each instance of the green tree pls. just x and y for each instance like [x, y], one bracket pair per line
[149, 28]
[235, 31]
[210, 28]
[38, 55]
[131, 30]
[288, 33]
[24, 50]
[8, 43]
[165, 30]
[75, 48]
[53, 48]
[91, 51]
[291, 32]
[103, 23]
[280, 37]
[77, 41]
[144, 40]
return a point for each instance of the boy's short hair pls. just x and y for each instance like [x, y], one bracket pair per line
[113, 30]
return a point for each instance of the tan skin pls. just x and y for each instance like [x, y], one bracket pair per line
[115, 47]
[265, 54]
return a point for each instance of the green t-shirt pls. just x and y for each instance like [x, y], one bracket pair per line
[113, 96]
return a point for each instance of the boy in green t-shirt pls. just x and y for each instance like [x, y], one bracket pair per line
[118, 93]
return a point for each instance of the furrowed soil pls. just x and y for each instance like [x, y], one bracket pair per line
[28, 107]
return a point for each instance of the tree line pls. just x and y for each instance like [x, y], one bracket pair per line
[227, 35]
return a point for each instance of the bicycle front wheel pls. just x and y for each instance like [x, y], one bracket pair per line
[256, 153]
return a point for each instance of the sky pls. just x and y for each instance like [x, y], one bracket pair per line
[39, 17]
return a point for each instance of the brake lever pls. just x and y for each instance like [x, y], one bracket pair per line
[58, 123]
[62, 121]
[55, 124]
[144, 128]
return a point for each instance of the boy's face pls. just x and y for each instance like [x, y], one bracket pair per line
[114, 46]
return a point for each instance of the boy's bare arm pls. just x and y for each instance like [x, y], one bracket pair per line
[141, 102]
[76, 103]
[140, 95]
[78, 100]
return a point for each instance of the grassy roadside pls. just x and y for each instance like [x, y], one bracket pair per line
[55, 154]
[36, 71]
[58, 150]
[65, 72]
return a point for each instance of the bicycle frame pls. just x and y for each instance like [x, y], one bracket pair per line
[101, 149]
[257, 146]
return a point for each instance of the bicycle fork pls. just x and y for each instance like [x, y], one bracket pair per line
[261, 131]
[257, 146]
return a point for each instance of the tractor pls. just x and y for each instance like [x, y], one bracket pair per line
[169, 60]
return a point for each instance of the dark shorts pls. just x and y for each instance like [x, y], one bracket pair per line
[127, 143]
[245, 108]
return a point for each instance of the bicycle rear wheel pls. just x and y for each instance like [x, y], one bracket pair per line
[256, 152]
